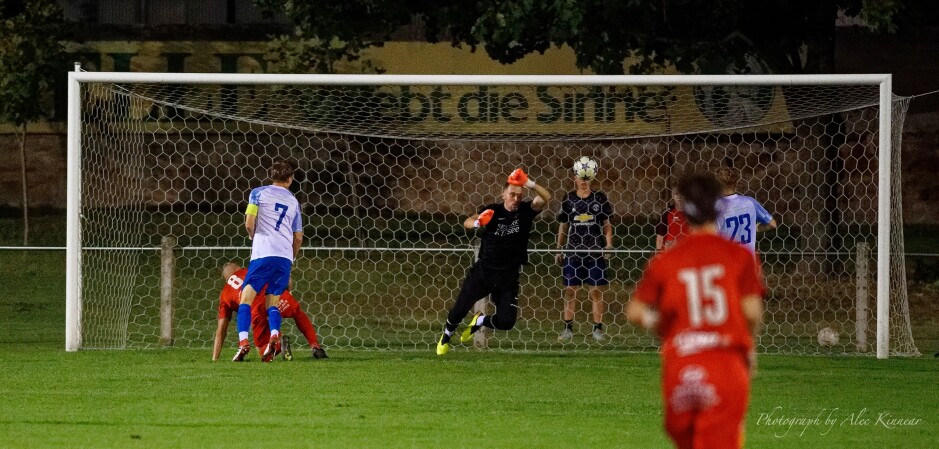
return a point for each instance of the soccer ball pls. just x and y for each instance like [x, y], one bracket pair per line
[827, 336]
[586, 168]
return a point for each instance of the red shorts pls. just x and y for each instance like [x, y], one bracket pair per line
[706, 399]
[288, 307]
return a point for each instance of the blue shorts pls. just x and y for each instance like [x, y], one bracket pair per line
[272, 271]
[590, 270]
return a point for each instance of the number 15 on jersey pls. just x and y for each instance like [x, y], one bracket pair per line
[707, 300]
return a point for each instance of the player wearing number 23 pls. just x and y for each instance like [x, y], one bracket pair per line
[704, 299]
[740, 216]
[275, 227]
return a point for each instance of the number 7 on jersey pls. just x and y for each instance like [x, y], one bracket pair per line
[283, 211]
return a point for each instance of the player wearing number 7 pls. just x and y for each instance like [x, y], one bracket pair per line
[275, 228]
[704, 298]
[740, 216]
[502, 252]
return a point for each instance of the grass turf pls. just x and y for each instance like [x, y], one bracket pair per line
[356, 399]
[362, 399]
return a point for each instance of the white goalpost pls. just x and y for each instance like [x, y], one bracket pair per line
[160, 164]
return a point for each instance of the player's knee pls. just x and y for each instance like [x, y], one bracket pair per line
[505, 320]
[503, 323]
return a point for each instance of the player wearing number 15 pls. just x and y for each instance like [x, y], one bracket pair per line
[740, 216]
[275, 227]
[704, 298]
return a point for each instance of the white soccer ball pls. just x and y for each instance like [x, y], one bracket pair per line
[827, 336]
[586, 168]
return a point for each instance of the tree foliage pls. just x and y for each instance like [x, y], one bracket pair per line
[32, 53]
[694, 36]
[329, 32]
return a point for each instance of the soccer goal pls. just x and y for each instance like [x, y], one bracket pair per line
[160, 166]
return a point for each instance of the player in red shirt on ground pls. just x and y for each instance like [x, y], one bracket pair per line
[229, 300]
[673, 226]
[704, 298]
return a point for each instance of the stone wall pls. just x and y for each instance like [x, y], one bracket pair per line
[215, 170]
[45, 170]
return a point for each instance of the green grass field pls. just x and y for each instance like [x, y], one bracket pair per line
[177, 398]
[365, 399]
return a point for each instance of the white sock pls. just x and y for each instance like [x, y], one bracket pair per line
[479, 321]
[447, 332]
[242, 336]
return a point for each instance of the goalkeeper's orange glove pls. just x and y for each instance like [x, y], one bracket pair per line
[520, 178]
[484, 218]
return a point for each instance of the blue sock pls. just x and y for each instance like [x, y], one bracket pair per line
[244, 318]
[273, 318]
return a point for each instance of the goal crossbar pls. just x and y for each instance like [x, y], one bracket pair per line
[479, 80]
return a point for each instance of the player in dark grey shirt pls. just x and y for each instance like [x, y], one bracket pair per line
[504, 249]
[584, 233]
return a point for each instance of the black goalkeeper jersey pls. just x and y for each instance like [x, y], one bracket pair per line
[505, 239]
[585, 217]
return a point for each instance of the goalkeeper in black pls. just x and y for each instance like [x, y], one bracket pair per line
[504, 249]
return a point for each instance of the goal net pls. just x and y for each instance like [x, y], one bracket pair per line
[389, 166]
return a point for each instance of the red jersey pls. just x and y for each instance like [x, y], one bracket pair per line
[230, 299]
[697, 287]
[288, 306]
[672, 227]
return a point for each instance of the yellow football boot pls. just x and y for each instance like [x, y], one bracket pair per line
[467, 334]
[442, 348]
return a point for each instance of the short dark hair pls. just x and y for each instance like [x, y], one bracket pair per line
[281, 170]
[729, 177]
[700, 193]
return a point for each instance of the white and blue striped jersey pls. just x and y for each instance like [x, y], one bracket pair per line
[738, 217]
[278, 217]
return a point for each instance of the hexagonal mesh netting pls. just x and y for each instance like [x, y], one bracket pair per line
[387, 173]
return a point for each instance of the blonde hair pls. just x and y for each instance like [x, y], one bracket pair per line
[229, 269]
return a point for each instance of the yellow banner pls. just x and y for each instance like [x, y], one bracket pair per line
[607, 110]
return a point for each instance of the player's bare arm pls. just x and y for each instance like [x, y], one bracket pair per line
[562, 238]
[220, 332]
[640, 314]
[608, 233]
[297, 243]
[752, 306]
[768, 226]
[542, 199]
[250, 221]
